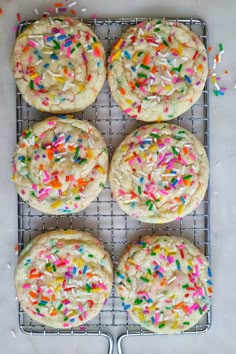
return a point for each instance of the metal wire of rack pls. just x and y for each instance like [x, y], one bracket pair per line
[103, 218]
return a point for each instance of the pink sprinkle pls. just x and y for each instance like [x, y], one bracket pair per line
[30, 59]
[34, 187]
[174, 80]
[163, 258]
[84, 58]
[127, 110]
[80, 308]
[192, 157]
[190, 71]
[37, 157]
[47, 176]
[32, 43]
[76, 206]
[43, 196]
[15, 29]
[161, 191]
[85, 314]
[181, 246]
[26, 286]
[37, 80]
[65, 324]
[142, 89]
[131, 161]
[68, 52]
[121, 192]
[170, 259]
[198, 83]
[49, 123]
[102, 286]
[14, 168]
[167, 140]
[94, 17]
[199, 260]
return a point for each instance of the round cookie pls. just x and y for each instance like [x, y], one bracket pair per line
[165, 283]
[157, 70]
[60, 165]
[159, 173]
[59, 65]
[63, 278]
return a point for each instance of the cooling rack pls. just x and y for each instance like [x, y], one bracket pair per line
[103, 218]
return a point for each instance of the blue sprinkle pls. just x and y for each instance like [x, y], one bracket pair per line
[187, 78]
[89, 47]
[21, 158]
[74, 270]
[54, 56]
[142, 243]
[190, 268]
[133, 204]
[121, 276]
[175, 182]
[220, 93]
[182, 199]
[126, 307]
[46, 65]
[156, 267]
[133, 68]
[67, 138]
[160, 274]
[141, 179]
[68, 43]
[173, 172]
[209, 272]
[40, 87]
[72, 320]
[98, 63]
[63, 116]
[153, 319]
[85, 269]
[49, 39]
[61, 37]
[54, 139]
[209, 282]
[111, 66]
[126, 54]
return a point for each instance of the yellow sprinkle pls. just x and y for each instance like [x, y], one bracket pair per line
[141, 316]
[72, 313]
[96, 290]
[75, 190]
[153, 89]
[175, 325]
[180, 49]
[130, 261]
[159, 119]
[152, 148]
[134, 57]
[213, 79]
[13, 178]
[60, 79]
[190, 263]
[80, 262]
[100, 170]
[128, 101]
[59, 280]
[118, 44]
[55, 204]
[57, 288]
[172, 296]
[167, 87]
[136, 309]
[116, 55]
[89, 153]
[33, 76]
[69, 231]
[152, 308]
[180, 209]
[80, 88]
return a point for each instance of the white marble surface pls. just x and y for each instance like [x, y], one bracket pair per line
[220, 16]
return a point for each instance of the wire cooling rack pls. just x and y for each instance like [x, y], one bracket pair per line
[103, 218]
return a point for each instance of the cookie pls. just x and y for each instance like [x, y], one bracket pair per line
[159, 173]
[59, 65]
[157, 70]
[60, 165]
[63, 278]
[165, 283]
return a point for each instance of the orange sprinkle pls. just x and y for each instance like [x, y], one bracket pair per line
[126, 267]
[179, 305]
[177, 199]
[160, 47]
[164, 67]
[185, 150]
[226, 72]
[71, 148]
[16, 248]
[146, 59]
[209, 49]
[73, 12]
[131, 84]
[154, 69]
[210, 290]
[58, 4]
[35, 276]
[122, 91]
[41, 167]
[25, 50]
[55, 184]
[82, 182]
[53, 297]
[175, 51]
[50, 154]
[97, 52]
[45, 298]
[133, 195]
[163, 281]
[89, 275]
[23, 145]
[1, 11]
[217, 58]
[53, 313]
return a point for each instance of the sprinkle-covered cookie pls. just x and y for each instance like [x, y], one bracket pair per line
[157, 70]
[159, 173]
[63, 278]
[60, 165]
[165, 283]
[59, 65]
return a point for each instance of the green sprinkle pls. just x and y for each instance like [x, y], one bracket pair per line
[54, 268]
[178, 69]
[144, 279]
[157, 29]
[145, 67]
[186, 323]
[177, 264]
[185, 286]
[216, 92]
[139, 190]
[187, 177]
[148, 202]
[175, 152]
[101, 185]
[142, 75]
[221, 46]
[158, 22]
[150, 207]
[156, 136]
[58, 159]
[137, 85]
[28, 134]
[138, 301]
[139, 54]
[149, 271]
[88, 288]
[82, 161]
[181, 132]
[42, 303]
[78, 45]
[178, 137]
[48, 264]
[169, 307]
[31, 84]
[65, 319]
[128, 280]
[57, 45]
[77, 198]
[76, 153]
[166, 44]
[72, 51]
[38, 310]
[91, 255]
[59, 307]
[161, 325]
[94, 39]
[200, 310]
[153, 254]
